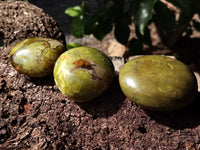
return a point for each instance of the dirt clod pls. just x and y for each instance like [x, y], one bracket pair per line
[20, 20]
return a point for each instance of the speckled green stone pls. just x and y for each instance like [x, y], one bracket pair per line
[83, 84]
[35, 57]
[158, 83]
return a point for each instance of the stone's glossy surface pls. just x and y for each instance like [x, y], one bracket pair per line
[158, 83]
[36, 57]
[83, 73]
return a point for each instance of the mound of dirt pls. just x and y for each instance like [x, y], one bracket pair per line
[20, 20]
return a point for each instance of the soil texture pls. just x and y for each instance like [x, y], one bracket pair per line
[34, 115]
[20, 20]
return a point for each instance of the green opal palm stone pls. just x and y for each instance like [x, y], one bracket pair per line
[158, 83]
[83, 73]
[35, 57]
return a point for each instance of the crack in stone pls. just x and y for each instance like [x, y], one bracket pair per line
[84, 64]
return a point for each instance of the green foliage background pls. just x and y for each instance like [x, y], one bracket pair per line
[120, 14]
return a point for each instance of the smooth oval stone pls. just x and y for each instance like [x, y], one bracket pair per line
[158, 83]
[83, 73]
[35, 57]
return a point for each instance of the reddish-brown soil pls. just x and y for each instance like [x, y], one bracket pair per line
[35, 115]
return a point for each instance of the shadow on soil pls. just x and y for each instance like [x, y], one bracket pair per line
[49, 81]
[182, 119]
[107, 104]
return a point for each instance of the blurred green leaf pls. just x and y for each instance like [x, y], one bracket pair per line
[136, 47]
[98, 26]
[146, 38]
[78, 27]
[90, 24]
[102, 29]
[196, 24]
[73, 45]
[144, 14]
[74, 11]
[164, 17]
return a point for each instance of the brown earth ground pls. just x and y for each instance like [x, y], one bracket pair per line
[35, 115]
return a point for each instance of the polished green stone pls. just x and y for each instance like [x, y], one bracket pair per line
[35, 57]
[158, 83]
[83, 73]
